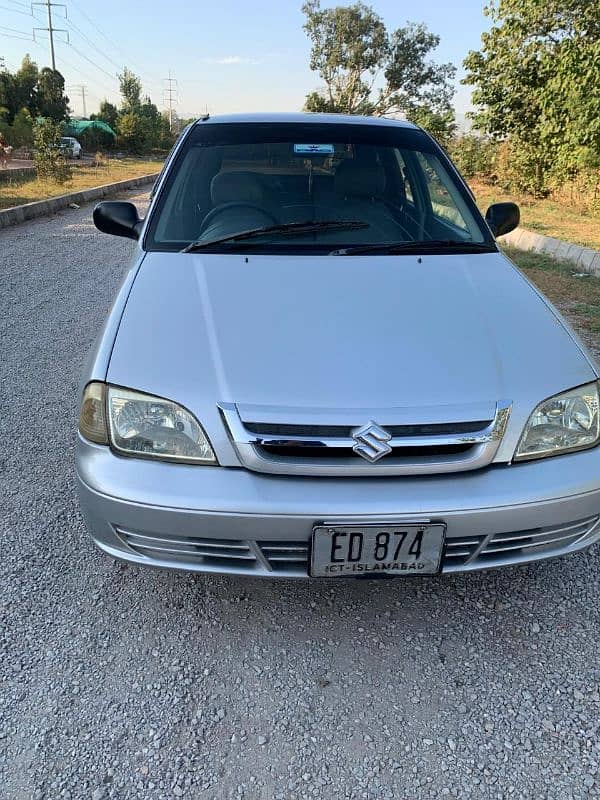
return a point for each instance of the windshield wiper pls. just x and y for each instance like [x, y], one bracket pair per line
[423, 246]
[295, 228]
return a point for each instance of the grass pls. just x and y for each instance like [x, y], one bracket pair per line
[548, 217]
[576, 294]
[18, 192]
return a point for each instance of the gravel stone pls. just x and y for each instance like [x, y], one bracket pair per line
[121, 683]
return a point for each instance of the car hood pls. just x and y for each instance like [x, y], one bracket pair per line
[288, 333]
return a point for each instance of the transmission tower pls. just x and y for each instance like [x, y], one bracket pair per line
[171, 97]
[51, 29]
[81, 92]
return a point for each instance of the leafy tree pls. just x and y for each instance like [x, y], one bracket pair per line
[108, 113]
[49, 162]
[131, 91]
[18, 90]
[51, 99]
[352, 50]
[440, 124]
[132, 132]
[25, 86]
[536, 82]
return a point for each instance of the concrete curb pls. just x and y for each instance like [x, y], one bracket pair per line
[583, 258]
[42, 208]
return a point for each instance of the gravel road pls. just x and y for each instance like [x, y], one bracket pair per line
[123, 683]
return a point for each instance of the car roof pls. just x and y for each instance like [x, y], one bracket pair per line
[299, 117]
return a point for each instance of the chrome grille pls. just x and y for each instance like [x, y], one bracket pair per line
[330, 449]
[281, 558]
[459, 551]
[227, 555]
[535, 542]
[514, 547]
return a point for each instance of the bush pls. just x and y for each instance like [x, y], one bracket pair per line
[474, 156]
[93, 139]
[49, 162]
[20, 133]
[132, 133]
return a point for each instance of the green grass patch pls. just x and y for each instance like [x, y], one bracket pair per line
[85, 176]
[548, 216]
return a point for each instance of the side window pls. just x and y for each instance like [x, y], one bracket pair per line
[442, 194]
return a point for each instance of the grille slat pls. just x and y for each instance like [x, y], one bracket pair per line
[196, 552]
[575, 528]
[233, 544]
[345, 431]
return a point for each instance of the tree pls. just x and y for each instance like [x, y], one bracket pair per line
[354, 54]
[536, 84]
[131, 91]
[25, 86]
[51, 99]
[132, 132]
[108, 113]
[18, 90]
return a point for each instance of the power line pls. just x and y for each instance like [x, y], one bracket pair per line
[12, 36]
[14, 30]
[93, 63]
[16, 11]
[115, 47]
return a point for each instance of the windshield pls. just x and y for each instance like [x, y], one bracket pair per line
[389, 183]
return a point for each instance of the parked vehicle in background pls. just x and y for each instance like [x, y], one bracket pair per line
[70, 147]
[321, 364]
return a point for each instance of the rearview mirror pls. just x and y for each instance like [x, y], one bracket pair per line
[118, 218]
[503, 218]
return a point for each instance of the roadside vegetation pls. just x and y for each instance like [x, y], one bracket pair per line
[102, 170]
[536, 127]
[550, 216]
[574, 293]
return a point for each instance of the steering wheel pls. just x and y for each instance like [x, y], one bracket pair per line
[227, 206]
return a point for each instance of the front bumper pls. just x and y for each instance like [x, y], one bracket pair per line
[230, 520]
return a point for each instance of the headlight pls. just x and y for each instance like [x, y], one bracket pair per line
[142, 425]
[563, 423]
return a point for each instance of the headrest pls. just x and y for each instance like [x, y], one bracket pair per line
[359, 180]
[236, 187]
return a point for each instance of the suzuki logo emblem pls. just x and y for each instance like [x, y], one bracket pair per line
[371, 442]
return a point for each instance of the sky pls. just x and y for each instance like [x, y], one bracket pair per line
[226, 55]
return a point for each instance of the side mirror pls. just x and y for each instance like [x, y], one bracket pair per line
[503, 218]
[118, 218]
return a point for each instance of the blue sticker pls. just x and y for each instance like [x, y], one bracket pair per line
[314, 149]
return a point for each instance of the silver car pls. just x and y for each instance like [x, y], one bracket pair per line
[320, 364]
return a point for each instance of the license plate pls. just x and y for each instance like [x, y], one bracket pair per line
[361, 550]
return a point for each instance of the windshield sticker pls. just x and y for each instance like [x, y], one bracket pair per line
[314, 149]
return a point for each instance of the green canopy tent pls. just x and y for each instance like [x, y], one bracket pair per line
[77, 127]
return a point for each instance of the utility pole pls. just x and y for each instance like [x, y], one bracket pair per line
[170, 91]
[81, 91]
[51, 30]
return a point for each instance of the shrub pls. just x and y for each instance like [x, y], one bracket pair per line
[49, 162]
[474, 156]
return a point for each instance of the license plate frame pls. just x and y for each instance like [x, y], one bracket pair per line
[352, 552]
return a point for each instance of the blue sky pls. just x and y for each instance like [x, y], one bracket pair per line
[227, 55]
